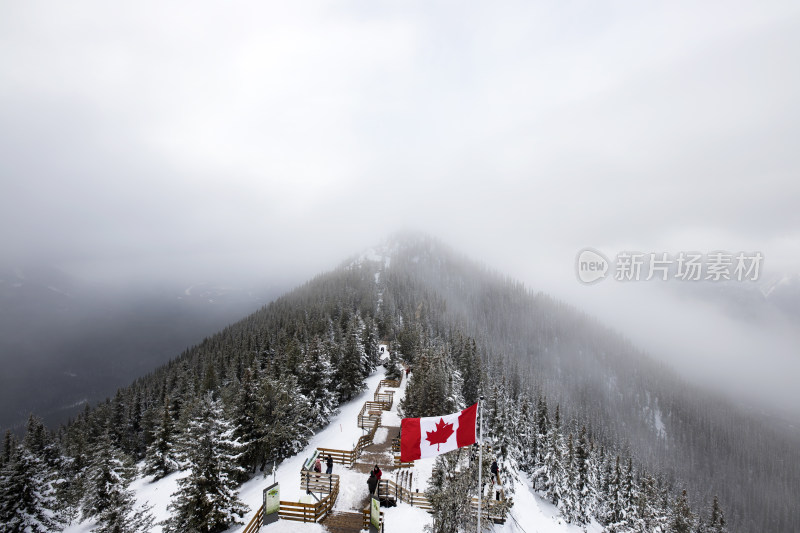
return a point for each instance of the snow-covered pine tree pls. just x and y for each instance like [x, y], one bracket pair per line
[551, 472]
[206, 500]
[109, 499]
[27, 497]
[161, 458]
[453, 483]
[354, 363]
[287, 417]
[372, 347]
[9, 444]
[682, 518]
[526, 433]
[393, 369]
[569, 502]
[315, 382]
[716, 523]
[585, 489]
[429, 391]
[630, 493]
[615, 501]
[469, 364]
[249, 429]
[542, 430]
[108, 473]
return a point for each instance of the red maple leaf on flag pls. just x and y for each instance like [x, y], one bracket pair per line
[442, 433]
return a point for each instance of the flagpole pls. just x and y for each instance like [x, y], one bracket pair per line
[480, 463]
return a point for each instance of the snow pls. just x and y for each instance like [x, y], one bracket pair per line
[380, 436]
[405, 518]
[661, 429]
[532, 514]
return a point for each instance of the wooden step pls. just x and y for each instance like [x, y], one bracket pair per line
[344, 522]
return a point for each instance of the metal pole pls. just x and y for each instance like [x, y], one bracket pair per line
[480, 462]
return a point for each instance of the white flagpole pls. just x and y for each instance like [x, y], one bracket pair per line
[480, 463]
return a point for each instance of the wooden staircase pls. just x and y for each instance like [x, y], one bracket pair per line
[344, 522]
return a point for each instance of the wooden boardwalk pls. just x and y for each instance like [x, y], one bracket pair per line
[344, 522]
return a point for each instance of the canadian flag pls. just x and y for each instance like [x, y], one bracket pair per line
[434, 435]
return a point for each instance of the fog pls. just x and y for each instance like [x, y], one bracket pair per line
[254, 142]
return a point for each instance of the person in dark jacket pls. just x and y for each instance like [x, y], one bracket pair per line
[329, 464]
[372, 482]
[495, 471]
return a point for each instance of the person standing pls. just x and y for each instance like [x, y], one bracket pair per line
[329, 464]
[317, 466]
[372, 482]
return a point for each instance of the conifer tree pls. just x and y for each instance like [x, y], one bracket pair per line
[393, 369]
[27, 502]
[109, 472]
[716, 523]
[552, 473]
[353, 365]
[108, 499]
[315, 382]
[206, 500]
[161, 458]
[450, 490]
[682, 519]
[585, 490]
[9, 444]
[250, 429]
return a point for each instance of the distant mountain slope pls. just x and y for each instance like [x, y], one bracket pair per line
[64, 342]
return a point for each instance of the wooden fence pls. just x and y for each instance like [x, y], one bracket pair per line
[255, 523]
[348, 457]
[369, 414]
[318, 482]
[389, 489]
[340, 457]
[390, 383]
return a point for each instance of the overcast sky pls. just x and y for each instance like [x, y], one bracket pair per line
[210, 139]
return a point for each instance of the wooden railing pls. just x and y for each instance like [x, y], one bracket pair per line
[392, 490]
[368, 438]
[494, 510]
[391, 383]
[318, 482]
[370, 413]
[255, 523]
[386, 399]
[348, 457]
[340, 457]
